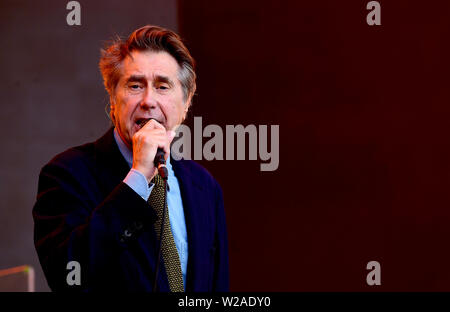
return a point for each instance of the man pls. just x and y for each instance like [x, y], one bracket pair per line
[100, 205]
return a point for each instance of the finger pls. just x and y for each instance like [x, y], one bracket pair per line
[168, 140]
[153, 124]
[149, 135]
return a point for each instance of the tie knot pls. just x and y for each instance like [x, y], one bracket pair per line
[158, 180]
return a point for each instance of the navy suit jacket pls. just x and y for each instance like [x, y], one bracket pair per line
[84, 212]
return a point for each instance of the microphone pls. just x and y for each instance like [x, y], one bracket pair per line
[160, 163]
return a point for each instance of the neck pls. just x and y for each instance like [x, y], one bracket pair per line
[130, 146]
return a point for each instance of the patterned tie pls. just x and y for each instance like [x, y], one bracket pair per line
[169, 249]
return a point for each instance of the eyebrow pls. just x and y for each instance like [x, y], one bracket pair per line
[142, 79]
[136, 78]
[164, 79]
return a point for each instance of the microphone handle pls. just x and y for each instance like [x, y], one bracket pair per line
[159, 157]
[160, 163]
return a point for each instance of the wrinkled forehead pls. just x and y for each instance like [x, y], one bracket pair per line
[151, 66]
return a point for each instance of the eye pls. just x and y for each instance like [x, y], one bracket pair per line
[162, 86]
[135, 86]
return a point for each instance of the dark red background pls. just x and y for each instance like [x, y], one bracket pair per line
[364, 152]
[364, 168]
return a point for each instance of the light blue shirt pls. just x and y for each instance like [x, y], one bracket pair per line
[138, 182]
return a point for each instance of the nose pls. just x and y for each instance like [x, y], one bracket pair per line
[149, 100]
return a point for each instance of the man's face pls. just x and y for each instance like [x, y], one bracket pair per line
[148, 88]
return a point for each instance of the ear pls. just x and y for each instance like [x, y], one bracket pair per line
[187, 105]
[112, 108]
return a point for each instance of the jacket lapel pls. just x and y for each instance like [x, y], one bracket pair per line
[112, 167]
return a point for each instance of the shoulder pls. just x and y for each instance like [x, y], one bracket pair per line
[82, 156]
[72, 171]
[75, 157]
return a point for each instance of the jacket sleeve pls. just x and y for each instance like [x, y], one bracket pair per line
[72, 225]
[221, 268]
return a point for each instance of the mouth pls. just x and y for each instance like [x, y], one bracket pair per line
[141, 122]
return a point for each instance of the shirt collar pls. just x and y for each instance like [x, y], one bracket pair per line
[128, 154]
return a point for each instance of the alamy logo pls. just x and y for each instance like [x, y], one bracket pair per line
[74, 276]
[74, 16]
[374, 276]
[374, 16]
[234, 144]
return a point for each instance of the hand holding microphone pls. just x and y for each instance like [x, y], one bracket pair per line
[151, 147]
